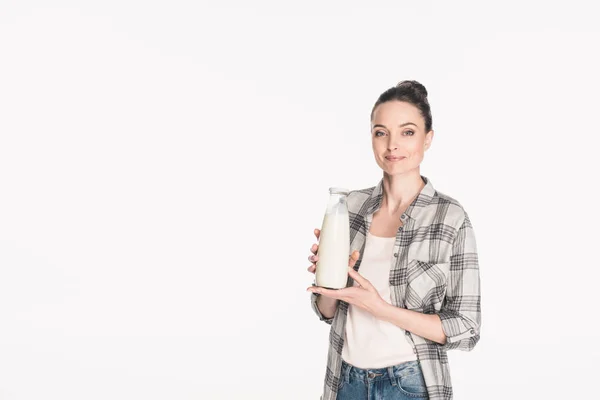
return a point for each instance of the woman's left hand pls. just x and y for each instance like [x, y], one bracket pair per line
[364, 295]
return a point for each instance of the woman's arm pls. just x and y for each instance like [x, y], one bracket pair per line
[461, 310]
[327, 306]
[366, 297]
[428, 326]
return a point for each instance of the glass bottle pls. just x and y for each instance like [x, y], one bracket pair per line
[334, 242]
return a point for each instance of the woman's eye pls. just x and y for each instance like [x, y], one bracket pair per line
[377, 133]
[409, 132]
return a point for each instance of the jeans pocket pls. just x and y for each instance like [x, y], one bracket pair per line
[411, 384]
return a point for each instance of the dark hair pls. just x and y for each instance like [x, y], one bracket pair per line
[411, 92]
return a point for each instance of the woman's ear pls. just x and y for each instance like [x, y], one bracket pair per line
[428, 139]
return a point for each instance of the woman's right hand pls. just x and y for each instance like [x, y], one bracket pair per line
[314, 257]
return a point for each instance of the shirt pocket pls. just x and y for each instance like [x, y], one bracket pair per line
[426, 283]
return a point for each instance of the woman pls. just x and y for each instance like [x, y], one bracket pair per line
[417, 293]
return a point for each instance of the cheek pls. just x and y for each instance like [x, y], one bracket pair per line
[417, 149]
[377, 147]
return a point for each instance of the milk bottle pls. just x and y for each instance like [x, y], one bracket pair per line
[334, 242]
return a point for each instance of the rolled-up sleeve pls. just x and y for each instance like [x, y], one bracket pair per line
[313, 301]
[461, 311]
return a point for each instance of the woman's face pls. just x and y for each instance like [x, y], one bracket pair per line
[399, 137]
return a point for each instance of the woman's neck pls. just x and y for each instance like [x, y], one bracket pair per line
[399, 191]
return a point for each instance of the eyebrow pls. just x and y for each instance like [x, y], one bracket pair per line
[401, 125]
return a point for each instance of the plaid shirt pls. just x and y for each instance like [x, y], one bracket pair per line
[434, 271]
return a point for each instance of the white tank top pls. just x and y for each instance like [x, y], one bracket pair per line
[369, 342]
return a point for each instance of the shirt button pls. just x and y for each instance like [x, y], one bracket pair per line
[472, 331]
[395, 254]
[403, 216]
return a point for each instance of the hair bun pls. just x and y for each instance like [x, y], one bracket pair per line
[413, 86]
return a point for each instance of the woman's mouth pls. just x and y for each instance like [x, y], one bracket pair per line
[394, 158]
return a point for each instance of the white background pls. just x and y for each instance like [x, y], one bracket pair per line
[163, 165]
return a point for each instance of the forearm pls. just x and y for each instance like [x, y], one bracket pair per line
[327, 306]
[428, 326]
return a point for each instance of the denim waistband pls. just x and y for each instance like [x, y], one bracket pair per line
[376, 374]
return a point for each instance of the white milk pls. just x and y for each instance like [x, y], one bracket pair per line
[334, 249]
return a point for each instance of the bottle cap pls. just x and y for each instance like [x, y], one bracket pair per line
[338, 190]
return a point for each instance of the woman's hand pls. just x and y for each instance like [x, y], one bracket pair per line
[363, 294]
[315, 257]
[314, 249]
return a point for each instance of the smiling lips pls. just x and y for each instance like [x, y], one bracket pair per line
[394, 158]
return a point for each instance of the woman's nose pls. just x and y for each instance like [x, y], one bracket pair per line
[391, 144]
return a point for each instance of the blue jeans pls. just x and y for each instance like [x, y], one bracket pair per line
[399, 382]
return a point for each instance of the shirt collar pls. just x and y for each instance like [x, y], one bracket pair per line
[423, 199]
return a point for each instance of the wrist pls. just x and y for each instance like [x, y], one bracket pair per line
[384, 311]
